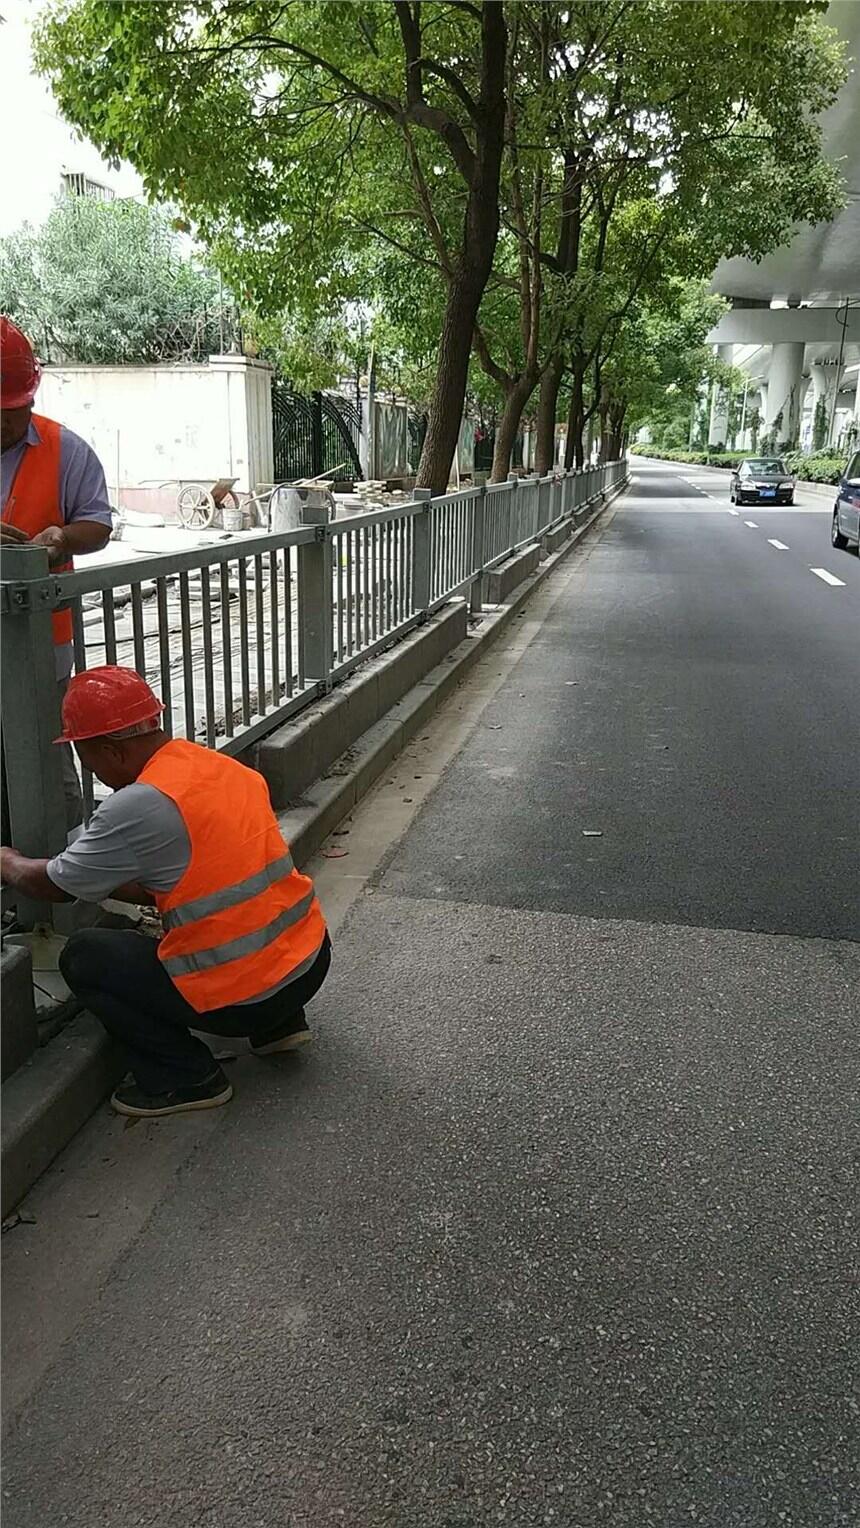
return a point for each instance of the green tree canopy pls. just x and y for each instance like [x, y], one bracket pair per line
[109, 282]
[508, 174]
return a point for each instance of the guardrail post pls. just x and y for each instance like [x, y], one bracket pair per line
[31, 715]
[316, 595]
[422, 562]
[512, 501]
[478, 550]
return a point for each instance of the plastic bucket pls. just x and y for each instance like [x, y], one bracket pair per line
[234, 517]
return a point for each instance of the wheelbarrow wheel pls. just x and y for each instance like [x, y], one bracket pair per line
[196, 506]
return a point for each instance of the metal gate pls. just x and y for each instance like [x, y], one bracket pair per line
[313, 435]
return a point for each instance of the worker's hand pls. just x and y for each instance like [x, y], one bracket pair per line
[54, 538]
[11, 535]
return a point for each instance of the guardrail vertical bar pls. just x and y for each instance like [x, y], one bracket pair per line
[315, 586]
[164, 655]
[346, 541]
[137, 626]
[260, 643]
[291, 663]
[368, 580]
[187, 655]
[227, 649]
[31, 710]
[274, 628]
[208, 659]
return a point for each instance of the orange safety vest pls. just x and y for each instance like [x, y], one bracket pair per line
[242, 918]
[34, 502]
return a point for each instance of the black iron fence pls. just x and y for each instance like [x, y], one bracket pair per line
[313, 435]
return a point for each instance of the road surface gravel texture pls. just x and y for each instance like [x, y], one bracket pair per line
[557, 1221]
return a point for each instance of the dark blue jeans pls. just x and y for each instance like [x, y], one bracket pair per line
[118, 976]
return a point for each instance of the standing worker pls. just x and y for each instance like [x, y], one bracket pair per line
[53, 495]
[192, 831]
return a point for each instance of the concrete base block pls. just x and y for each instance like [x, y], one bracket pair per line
[304, 749]
[18, 1029]
[49, 1098]
[501, 581]
[556, 537]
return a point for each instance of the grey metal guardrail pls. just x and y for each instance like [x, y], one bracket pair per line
[238, 636]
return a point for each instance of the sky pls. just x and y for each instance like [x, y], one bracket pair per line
[30, 175]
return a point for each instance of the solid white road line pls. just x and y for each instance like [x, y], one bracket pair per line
[828, 577]
[780, 545]
[752, 525]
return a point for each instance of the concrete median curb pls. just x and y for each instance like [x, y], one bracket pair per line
[52, 1095]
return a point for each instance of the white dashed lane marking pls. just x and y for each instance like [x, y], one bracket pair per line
[829, 578]
[780, 545]
[752, 524]
[736, 513]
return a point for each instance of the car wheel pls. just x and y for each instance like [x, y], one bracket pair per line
[836, 537]
[791, 500]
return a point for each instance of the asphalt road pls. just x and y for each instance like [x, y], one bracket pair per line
[557, 1221]
[698, 705]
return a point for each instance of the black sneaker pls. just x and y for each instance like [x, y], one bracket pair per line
[131, 1099]
[287, 1040]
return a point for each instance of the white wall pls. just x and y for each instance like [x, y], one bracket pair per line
[152, 423]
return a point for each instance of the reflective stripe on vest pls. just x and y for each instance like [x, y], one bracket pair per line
[231, 896]
[242, 919]
[34, 501]
[246, 944]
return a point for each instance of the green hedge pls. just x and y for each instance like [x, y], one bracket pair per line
[810, 469]
[815, 469]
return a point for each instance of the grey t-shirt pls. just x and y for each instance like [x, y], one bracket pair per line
[137, 834]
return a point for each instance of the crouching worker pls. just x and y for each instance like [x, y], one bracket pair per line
[245, 945]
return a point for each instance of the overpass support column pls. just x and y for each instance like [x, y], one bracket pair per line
[825, 383]
[783, 393]
[718, 430]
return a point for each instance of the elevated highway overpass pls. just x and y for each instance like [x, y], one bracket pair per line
[794, 324]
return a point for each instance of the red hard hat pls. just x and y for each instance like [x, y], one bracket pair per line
[104, 700]
[20, 372]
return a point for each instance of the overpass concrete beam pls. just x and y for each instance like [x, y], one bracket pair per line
[774, 326]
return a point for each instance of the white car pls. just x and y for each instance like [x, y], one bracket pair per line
[845, 527]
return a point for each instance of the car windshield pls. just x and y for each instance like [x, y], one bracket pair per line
[766, 464]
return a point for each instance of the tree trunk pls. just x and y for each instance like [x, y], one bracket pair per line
[574, 451]
[605, 431]
[516, 398]
[547, 405]
[449, 388]
[474, 263]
